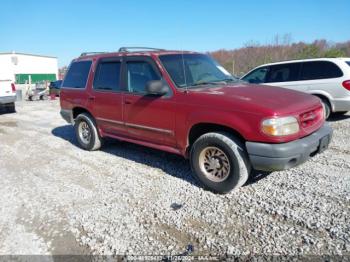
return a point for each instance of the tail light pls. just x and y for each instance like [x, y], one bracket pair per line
[13, 88]
[346, 84]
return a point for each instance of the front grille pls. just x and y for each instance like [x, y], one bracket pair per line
[312, 118]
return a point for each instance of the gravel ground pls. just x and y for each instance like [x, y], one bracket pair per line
[128, 199]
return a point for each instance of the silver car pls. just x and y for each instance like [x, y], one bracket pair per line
[327, 78]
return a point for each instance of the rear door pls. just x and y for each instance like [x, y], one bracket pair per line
[5, 88]
[107, 97]
[148, 118]
[322, 76]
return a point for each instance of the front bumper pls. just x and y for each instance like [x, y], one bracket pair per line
[273, 157]
[7, 100]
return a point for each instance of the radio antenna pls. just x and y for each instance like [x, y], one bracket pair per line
[183, 67]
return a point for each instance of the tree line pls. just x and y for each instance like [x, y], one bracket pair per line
[241, 60]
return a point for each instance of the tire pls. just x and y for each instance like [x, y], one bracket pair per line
[11, 108]
[218, 150]
[89, 139]
[43, 97]
[327, 107]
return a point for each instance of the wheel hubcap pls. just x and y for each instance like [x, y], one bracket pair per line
[84, 132]
[214, 163]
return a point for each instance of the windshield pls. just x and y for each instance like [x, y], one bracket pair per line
[189, 70]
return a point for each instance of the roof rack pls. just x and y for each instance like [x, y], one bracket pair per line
[126, 49]
[92, 53]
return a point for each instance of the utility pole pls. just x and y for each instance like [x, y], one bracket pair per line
[233, 67]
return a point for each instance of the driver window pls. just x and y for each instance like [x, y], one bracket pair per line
[257, 76]
[139, 73]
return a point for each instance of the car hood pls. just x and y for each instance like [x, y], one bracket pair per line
[259, 99]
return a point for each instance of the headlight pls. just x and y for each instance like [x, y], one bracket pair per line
[282, 126]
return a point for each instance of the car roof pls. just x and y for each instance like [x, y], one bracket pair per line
[134, 53]
[308, 60]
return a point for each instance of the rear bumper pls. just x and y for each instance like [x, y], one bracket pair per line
[67, 115]
[273, 157]
[342, 104]
[7, 100]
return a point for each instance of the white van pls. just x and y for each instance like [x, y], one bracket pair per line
[327, 78]
[7, 95]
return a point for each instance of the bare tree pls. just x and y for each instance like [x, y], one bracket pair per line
[281, 48]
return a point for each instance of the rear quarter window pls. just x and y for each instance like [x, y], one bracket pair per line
[320, 70]
[77, 74]
[348, 62]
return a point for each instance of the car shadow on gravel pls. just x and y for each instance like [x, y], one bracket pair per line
[256, 176]
[171, 164]
[338, 117]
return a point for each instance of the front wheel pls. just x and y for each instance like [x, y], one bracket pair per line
[327, 107]
[219, 161]
[86, 132]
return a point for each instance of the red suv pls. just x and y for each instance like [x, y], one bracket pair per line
[186, 103]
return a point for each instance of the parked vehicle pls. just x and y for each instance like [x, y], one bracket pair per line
[326, 78]
[186, 103]
[55, 87]
[39, 92]
[7, 95]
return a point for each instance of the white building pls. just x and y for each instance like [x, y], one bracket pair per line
[22, 68]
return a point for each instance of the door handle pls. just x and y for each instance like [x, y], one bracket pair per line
[91, 98]
[127, 102]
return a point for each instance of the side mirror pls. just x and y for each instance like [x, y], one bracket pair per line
[157, 87]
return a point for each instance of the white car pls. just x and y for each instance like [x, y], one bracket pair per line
[327, 78]
[7, 95]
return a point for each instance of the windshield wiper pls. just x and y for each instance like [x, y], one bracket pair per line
[230, 80]
[207, 83]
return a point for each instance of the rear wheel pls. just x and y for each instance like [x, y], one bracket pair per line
[86, 132]
[220, 162]
[43, 97]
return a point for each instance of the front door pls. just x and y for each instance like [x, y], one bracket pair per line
[147, 118]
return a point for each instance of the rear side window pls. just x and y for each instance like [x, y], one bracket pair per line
[320, 70]
[77, 74]
[257, 76]
[283, 73]
[107, 76]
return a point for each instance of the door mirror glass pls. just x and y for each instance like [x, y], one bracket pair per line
[157, 87]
